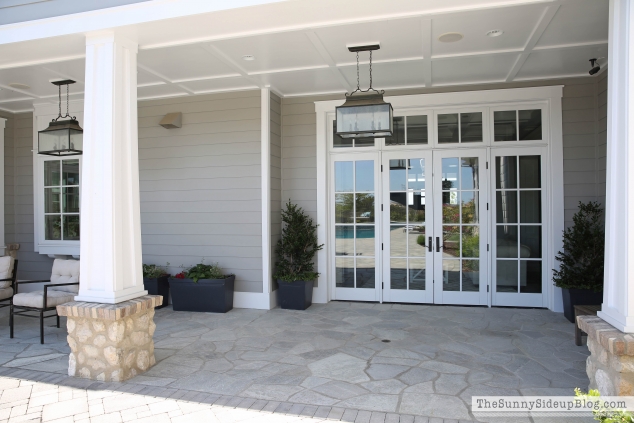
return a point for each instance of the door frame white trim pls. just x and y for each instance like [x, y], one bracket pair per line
[551, 95]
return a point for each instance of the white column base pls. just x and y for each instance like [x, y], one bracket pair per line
[112, 298]
[613, 317]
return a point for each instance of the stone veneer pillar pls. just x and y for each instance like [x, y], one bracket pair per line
[610, 365]
[110, 342]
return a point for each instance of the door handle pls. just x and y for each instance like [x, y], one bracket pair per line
[430, 244]
[438, 246]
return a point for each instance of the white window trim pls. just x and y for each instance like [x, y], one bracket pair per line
[552, 120]
[42, 115]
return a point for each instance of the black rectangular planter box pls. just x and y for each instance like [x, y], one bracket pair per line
[158, 286]
[296, 295]
[573, 297]
[207, 295]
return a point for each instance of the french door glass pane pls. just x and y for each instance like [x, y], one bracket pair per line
[506, 207]
[506, 276]
[451, 275]
[530, 172]
[416, 174]
[506, 241]
[365, 239]
[398, 175]
[398, 207]
[53, 227]
[531, 276]
[506, 172]
[417, 130]
[417, 269]
[344, 180]
[531, 239]
[344, 272]
[344, 240]
[365, 273]
[364, 206]
[470, 275]
[52, 200]
[398, 244]
[51, 173]
[71, 227]
[469, 207]
[70, 172]
[505, 125]
[416, 242]
[364, 176]
[344, 208]
[71, 199]
[398, 273]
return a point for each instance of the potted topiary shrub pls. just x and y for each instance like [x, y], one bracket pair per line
[296, 249]
[203, 287]
[580, 274]
[155, 282]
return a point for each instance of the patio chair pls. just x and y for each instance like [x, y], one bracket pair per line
[8, 271]
[63, 286]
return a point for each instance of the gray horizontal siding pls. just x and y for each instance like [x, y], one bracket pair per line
[201, 185]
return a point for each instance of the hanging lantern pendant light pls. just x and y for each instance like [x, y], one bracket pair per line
[62, 137]
[364, 114]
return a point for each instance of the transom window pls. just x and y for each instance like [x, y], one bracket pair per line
[61, 200]
[517, 125]
[410, 130]
[459, 127]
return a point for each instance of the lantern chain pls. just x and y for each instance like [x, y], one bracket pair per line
[59, 95]
[359, 81]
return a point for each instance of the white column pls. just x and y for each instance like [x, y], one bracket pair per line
[110, 212]
[618, 296]
[265, 115]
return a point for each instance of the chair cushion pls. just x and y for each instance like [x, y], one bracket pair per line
[36, 299]
[6, 270]
[65, 271]
[5, 293]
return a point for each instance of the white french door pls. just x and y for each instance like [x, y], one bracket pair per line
[355, 211]
[460, 227]
[420, 226]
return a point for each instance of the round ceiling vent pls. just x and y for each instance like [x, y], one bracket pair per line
[19, 86]
[450, 37]
[495, 33]
[248, 57]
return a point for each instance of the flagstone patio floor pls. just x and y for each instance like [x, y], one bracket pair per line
[375, 359]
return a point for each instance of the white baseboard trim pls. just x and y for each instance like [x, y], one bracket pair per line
[255, 300]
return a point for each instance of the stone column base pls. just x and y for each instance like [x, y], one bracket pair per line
[110, 342]
[610, 366]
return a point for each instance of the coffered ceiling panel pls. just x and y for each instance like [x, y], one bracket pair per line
[220, 84]
[486, 68]
[567, 62]
[144, 78]
[275, 51]
[578, 21]
[184, 62]
[399, 38]
[7, 94]
[37, 78]
[517, 23]
[306, 81]
[73, 69]
[388, 75]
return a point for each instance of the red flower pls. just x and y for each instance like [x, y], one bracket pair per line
[180, 275]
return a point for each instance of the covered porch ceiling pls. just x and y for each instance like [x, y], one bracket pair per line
[300, 47]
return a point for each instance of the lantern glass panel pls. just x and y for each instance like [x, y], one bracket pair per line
[76, 140]
[360, 119]
[53, 140]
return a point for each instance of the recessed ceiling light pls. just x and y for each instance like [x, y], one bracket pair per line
[495, 33]
[248, 57]
[450, 37]
[19, 86]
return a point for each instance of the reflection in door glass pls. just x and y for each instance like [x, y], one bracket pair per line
[505, 125]
[344, 240]
[365, 273]
[469, 173]
[364, 175]
[506, 276]
[343, 177]
[398, 175]
[398, 273]
[471, 275]
[365, 241]
[344, 272]
[417, 268]
[364, 208]
[530, 125]
[416, 174]
[344, 207]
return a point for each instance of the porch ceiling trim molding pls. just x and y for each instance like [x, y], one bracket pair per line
[550, 94]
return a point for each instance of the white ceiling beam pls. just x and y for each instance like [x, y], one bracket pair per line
[26, 93]
[220, 55]
[325, 55]
[427, 54]
[61, 74]
[164, 78]
[538, 31]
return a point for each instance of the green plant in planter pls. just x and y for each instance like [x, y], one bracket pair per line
[600, 413]
[297, 247]
[152, 271]
[583, 255]
[202, 271]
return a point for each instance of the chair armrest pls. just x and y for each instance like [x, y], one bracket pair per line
[20, 282]
[7, 279]
[54, 285]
